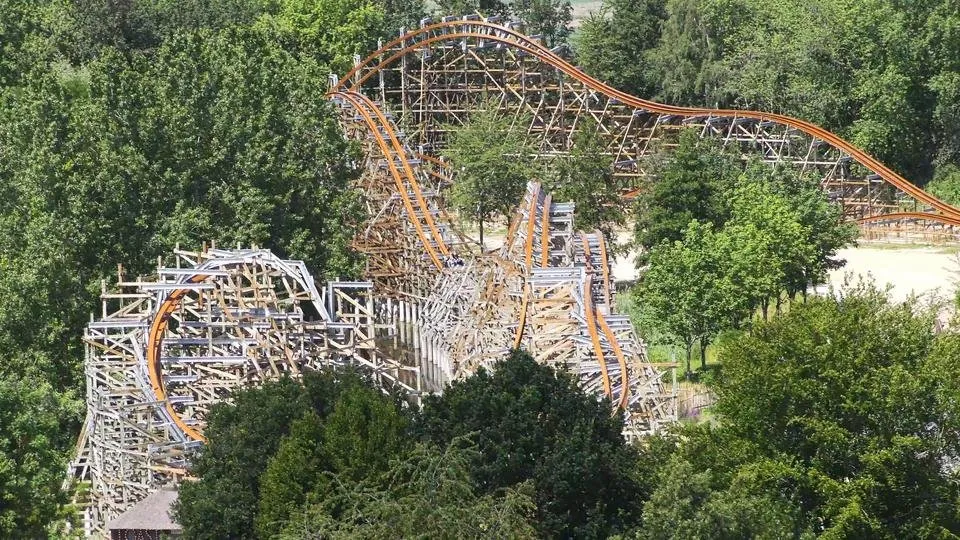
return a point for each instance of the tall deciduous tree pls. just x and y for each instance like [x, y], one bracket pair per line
[493, 162]
[31, 460]
[428, 494]
[586, 178]
[690, 183]
[241, 438]
[853, 391]
[692, 289]
[547, 18]
[250, 461]
[488, 8]
[613, 43]
[546, 430]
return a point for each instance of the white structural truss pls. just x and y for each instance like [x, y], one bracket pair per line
[165, 350]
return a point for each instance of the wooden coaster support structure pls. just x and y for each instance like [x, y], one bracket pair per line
[166, 349]
[439, 74]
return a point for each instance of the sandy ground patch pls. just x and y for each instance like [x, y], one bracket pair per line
[909, 270]
[906, 269]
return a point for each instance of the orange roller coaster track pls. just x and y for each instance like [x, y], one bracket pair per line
[435, 75]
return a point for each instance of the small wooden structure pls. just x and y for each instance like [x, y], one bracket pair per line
[149, 519]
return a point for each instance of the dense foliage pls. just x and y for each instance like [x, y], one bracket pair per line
[130, 126]
[882, 73]
[720, 239]
[494, 161]
[513, 453]
[838, 420]
[127, 128]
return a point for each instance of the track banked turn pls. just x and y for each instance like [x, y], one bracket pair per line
[472, 32]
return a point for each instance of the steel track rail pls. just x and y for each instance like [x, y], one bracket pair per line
[398, 179]
[601, 323]
[401, 153]
[509, 37]
[154, 343]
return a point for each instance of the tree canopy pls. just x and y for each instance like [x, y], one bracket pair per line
[881, 73]
[833, 421]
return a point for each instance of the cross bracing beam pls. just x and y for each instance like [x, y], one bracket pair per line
[435, 76]
[167, 349]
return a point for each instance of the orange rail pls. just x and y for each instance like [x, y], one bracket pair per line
[411, 177]
[946, 220]
[521, 42]
[372, 125]
[621, 358]
[605, 328]
[155, 343]
[591, 322]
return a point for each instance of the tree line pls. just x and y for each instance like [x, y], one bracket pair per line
[128, 127]
[837, 419]
[881, 73]
[721, 239]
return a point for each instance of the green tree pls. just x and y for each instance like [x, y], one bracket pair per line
[293, 472]
[586, 178]
[32, 462]
[399, 14]
[693, 289]
[853, 391]
[548, 18]
[429, 494]
[770, 242]
[688, 503]
[531, 423]
[488, 8]
[23, 39]
[330, 31]
[612, 44]
[824, 229]
[365, 431]
[241, 439]
[946, 184]
[691, 183]
[273, 448]
[686, 60]
[492, 158]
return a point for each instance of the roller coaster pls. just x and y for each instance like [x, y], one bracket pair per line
[435, 306]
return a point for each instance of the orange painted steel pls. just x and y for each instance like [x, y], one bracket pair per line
[411, 177]
[605, 328]
[528, 46]
[592, 328]
[621, 358]
[528, 263]
[155, 343]
[545, 233]
[946, 220]
[372, 125]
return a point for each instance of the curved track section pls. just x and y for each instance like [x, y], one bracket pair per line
[437, 75]
[166, 350]
[407, 236]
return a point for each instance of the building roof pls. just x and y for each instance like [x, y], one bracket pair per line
[151, 514]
